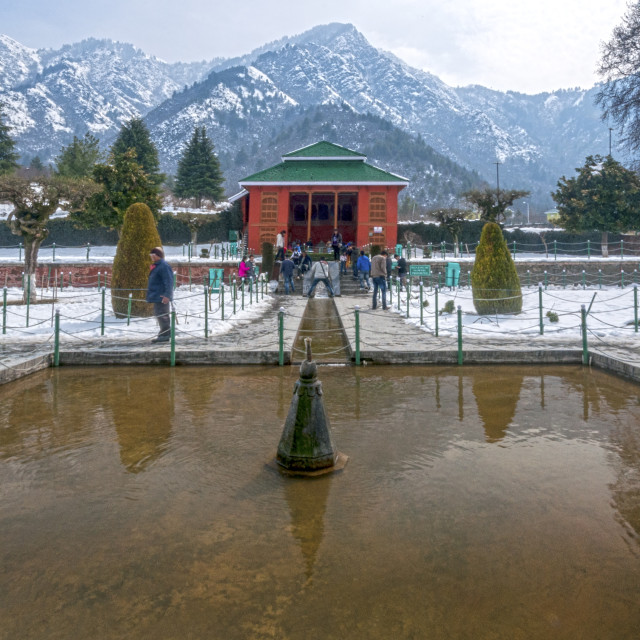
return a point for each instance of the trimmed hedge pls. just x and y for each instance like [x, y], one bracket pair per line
[494, 279]
[131, 264]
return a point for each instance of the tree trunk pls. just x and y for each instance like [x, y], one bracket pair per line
[456, 253]
[194, 236]
[31, 248]
[604, 245]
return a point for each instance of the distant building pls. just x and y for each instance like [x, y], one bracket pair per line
[317, 189]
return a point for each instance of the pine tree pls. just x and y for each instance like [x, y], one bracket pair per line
[131, 263]
[199, 174]
[494, 279]
[123, 182]
[135, 135]
[604, 196]
[8, 157]
[78, 159]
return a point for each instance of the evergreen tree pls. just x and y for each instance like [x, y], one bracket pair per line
[78, 159]
[8, 157]
[494, 279]
[123, 182]
[199, 174]
[604, 196]
[131, 263]
[135, 135]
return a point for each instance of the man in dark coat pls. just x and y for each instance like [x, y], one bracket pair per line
[160, 293]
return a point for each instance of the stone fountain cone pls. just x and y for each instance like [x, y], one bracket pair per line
[306, 446]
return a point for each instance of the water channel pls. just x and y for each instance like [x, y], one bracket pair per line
[477, 503]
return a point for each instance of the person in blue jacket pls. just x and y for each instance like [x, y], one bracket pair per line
[160, 293]
[364, 267]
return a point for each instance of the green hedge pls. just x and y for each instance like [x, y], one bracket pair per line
[471, 230]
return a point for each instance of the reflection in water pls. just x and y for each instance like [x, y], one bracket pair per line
[430, 532]
[307, 500]
[497, 392]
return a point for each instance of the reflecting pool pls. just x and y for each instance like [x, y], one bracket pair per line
[478, 502]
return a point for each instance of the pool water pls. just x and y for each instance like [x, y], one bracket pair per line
[478, 502]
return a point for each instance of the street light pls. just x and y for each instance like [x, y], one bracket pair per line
[527, 211]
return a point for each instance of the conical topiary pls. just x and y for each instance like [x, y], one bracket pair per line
[132, 263]
[494, 279]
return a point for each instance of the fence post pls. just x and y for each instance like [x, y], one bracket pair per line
[421, 303]
[564, 278]
[281, 337]
[102, 314]
[129, 309]
[555, 249]
[599, 278]
[56, 340]
[635, 307]
[528, 278]
[459, 334]
[588, 249]
[28, 296]
[235, 295]
[206, 312]
[540, 307]
[436, 308]
[70, 279]
[622, 276]
[585, 350]
[584, 281]
[54, 252]
[4, 311]
[621, 248]
[222, 299]
[514, 249]
[357, 312]
[99, 280]
[20, 252]
[242, 285]
[408, 297]
[88, 250]
[173, 339]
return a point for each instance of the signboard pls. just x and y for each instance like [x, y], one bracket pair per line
[420, 270]
[377, 229]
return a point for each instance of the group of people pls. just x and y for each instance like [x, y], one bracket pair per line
[378, 268]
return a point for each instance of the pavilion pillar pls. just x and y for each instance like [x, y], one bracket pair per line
[335, 210]
[309, 217]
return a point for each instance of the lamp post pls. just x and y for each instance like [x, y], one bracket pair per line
[527, 211]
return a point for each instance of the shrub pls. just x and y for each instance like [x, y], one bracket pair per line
[494, 279]
[553, 317]
[131, 263]
[267, 259]
[449, 307]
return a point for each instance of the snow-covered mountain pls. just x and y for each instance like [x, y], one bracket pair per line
[251, 102]
[95, 85]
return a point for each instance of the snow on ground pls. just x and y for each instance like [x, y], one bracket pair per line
[611, 312]
[81, 316]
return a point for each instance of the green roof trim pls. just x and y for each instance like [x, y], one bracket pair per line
[324, 172]
[323, 150]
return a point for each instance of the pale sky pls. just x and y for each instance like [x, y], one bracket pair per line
[521, 45]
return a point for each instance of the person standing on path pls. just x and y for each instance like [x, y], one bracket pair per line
[336, 244]
[402, 269]
[280, 245]
[286, 269]
[320, 273]
[160, 293]
[364, 267]
[379, 277]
